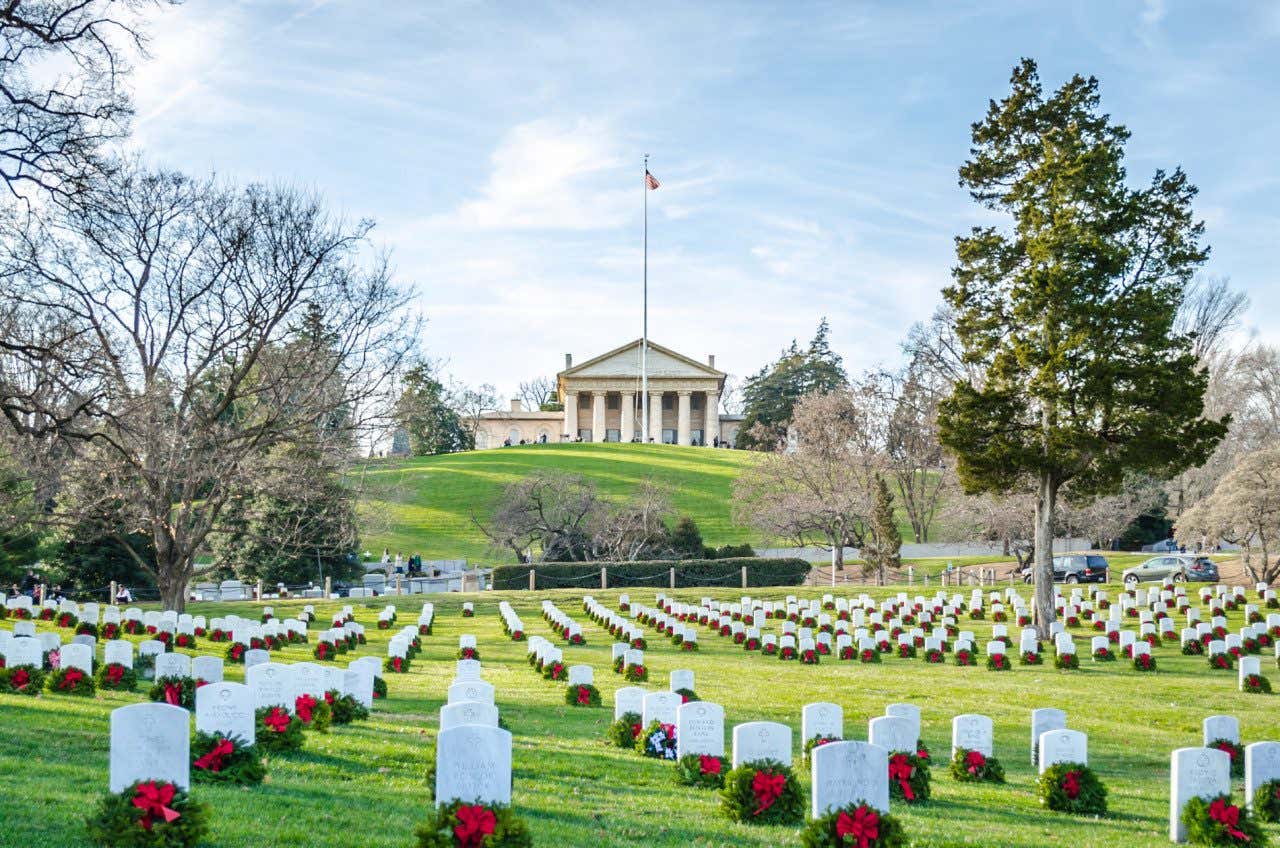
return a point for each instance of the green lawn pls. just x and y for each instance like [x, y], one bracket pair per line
[365, 784]
[428, 504]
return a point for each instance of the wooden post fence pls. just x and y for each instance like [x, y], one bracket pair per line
[673, 577]
[744, 577]
[533, 580]
[604, 577]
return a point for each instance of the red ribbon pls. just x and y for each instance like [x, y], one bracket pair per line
[709, 765]
[173, 694]
[863, 826]
[328, 697]
[1229, 749]
[900, 770]
[20, 679]
[474, 824]
[1071, 784]
[767, 788]
[1228, 815]
[71, 678]
[304, 704]
[397, 663]
[215, 759]
[584, 696]
[974, 761]
[277, 720]
[115, 672]
[154, 799]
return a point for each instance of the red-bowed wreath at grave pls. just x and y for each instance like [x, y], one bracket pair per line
[1234, 751]
[235, 652]
[345, 708]
[464, 825]
[1072, 788]
[148, 814]
[1066, 662]
[998, 662]
[1217, 821]
[314, 713]
[1144, 662]
[555, 671]
[635, 674]
[468, 653]
[1192, 648]
[219, 759]
[21, 680]
[624, 731]
[176, 691]
[582, 695]
[855, 826]
[116, 676]
[974, 766]
[277, 730]
[909, 778]
[817, 742]
[70, 681]
[762, 792]
[965, 657]
[1255, 684]
[702, 770]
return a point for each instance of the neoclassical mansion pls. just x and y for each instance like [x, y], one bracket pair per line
[602, 403]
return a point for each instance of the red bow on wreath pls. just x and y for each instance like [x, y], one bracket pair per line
[215, 759]
[1071, 784]
[71, 678]
[154, 799]
[305, 704]
[862, 827]
[173, 694]
[115, 673]
[1227, 815]
[635, 731]
[474, 824]
[709, 765]
[974, 761]
[900, 770]
[767, 788]
[277, 720]
[1229, 749]
[584, 696]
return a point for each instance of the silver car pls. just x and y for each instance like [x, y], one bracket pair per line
[1176, 567]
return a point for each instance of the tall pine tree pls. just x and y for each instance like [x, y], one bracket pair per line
[769, 396]
[1068, 313]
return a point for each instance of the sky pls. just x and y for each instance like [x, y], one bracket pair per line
[807, 152]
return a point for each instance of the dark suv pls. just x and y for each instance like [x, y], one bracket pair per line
[1074, 568]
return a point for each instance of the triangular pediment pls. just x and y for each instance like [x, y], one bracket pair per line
[625, 362]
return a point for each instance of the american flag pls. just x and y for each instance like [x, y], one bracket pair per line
[651, 181]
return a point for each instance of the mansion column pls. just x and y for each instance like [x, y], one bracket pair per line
[627, 410]
[655, 417]
[597, 416]
[711, 430]
[571, 414]
[683, 436]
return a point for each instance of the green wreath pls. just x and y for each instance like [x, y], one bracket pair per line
[22, 680]
[119, 823]
[624, 731]
[489, 825]
[658, 740]
[855, 825]
[277, 731]
[1266, 801]
[1144, 662]
[1216, 821]
[379, 687]
[1192, 647]
[345, 709]
[1234, 750]
[116, 676]
[687, 695]
[235, 652]
[1256, 684]
[220, 759]
[179, 691]
[468, 653]
[998, 662]
[1066, 662]
[1072, 788]
[753, 793]
[635, 674]
[315, 713]
[581, 695]
[69, 680]
[701, 770]
[817, 742]
[973, 766]
[909, 777]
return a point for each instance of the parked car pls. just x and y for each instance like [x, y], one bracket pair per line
[1074, 568]
[1176, 567]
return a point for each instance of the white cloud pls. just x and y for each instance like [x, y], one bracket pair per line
[551, 175]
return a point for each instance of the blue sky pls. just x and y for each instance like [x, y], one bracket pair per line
[808, 152]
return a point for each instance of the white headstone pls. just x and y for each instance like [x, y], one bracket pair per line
[893, 733]
[661, 707]
[226, 708]
[473, 764]
[467, 670]
[908, 711]
[468, 712]
[256, 656]
[471, 690]
[1195, 772]
[700, 729]
[1261, 765]
[118, 651]
[1221, 727]
[973, 733]
[271, 685]
[628, 699]
[1063, 746]
[821, 719]
[77, 656]
[173, 665]
[308, 678]
[761, 740]
[1043, 720]
[682, 678]
[150, 742]
[845, 773]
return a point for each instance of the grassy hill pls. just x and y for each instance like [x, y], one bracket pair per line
[426, 504]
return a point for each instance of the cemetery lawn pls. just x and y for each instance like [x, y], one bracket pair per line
[366, 784]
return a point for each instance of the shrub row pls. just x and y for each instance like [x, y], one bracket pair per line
[654, 574]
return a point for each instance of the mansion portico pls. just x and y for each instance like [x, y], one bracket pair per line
[602, 401]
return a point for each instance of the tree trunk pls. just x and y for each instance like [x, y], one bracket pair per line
[1045, 498]
[172, 584]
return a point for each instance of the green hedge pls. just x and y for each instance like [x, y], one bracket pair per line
[654, 574]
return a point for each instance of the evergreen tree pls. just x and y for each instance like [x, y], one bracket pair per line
[885, 542]
[425, 416]
[1068, 315]
[91, 556]
[769, 396]
[686, 539]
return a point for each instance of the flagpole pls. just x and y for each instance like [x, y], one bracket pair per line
[644, 336]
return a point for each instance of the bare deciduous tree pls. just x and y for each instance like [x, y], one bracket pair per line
[536, 392]
[1243, 509]
[221, 325]
[470, 402]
